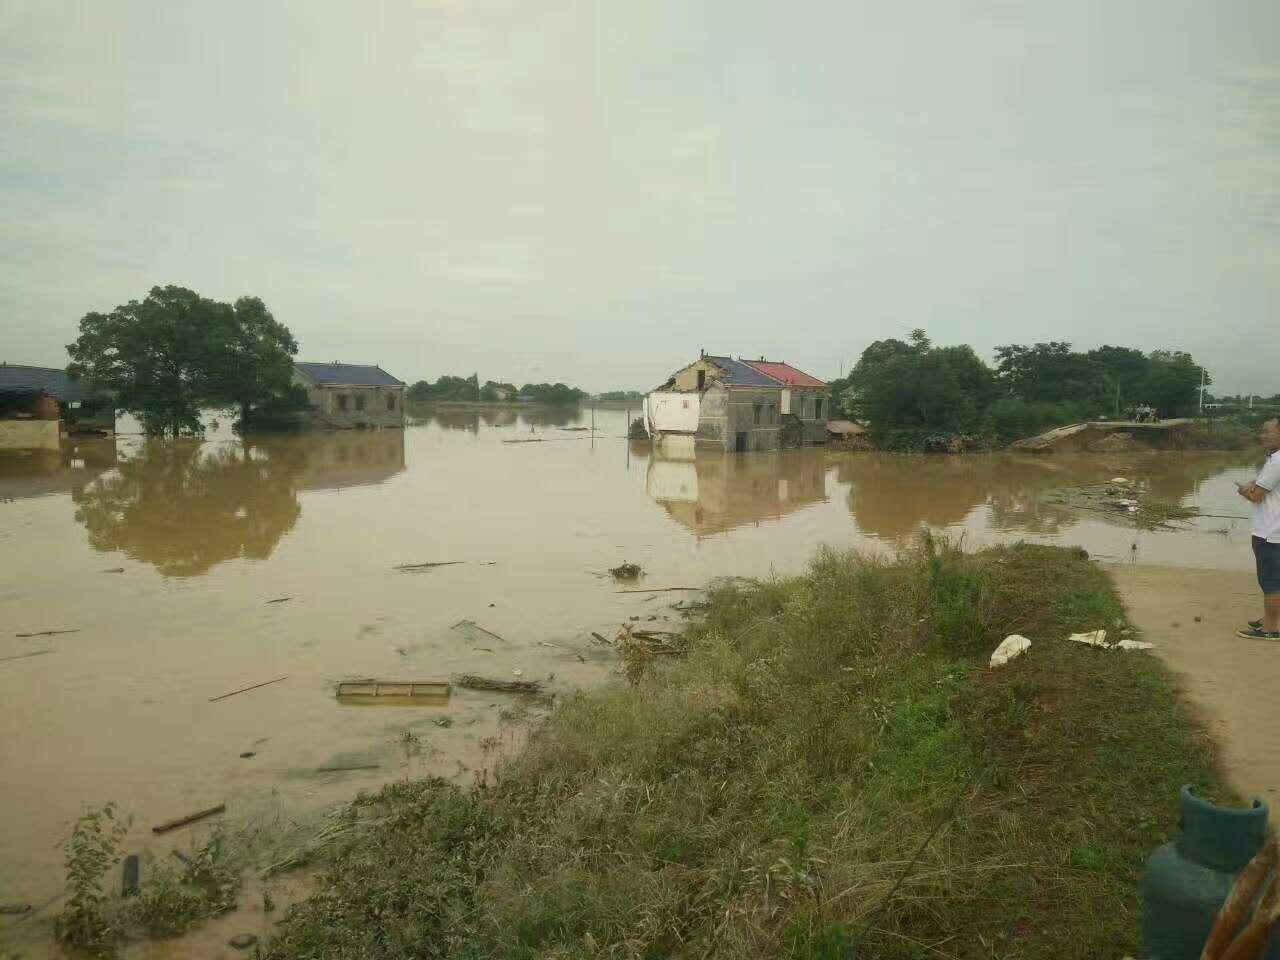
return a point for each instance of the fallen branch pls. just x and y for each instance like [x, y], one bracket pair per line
[47, 633]
[247, 689]
[280, 600]
[428, 565]
[191, 818]
[658, 589]
[473, 682]
[23, 656]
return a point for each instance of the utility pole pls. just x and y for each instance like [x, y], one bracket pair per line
[1202, 391]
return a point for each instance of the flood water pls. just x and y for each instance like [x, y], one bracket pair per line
[164, 559]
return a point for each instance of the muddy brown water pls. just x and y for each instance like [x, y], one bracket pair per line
[165, 559]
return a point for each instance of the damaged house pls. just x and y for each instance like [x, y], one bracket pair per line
[739, 405]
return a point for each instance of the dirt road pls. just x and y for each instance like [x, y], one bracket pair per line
[1191, 616]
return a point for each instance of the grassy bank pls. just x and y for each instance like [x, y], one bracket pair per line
[763, 795]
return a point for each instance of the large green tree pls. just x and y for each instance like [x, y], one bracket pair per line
[1172, 384]
[923, 395]
[255, 363]
[174, 352]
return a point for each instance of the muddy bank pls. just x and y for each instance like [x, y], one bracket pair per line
[1191, 616]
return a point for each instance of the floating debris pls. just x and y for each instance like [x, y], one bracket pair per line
[265, 683]
[190, 818]
[472, 682]
[23, 656]
[627, 571]
[393, 692]
[280, 600]
[428, 565]
[472, 631]
[46, 633]
[659, 590]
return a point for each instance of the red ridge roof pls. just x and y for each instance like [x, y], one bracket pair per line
[784, 373]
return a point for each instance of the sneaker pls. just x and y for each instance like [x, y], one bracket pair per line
[1256, 624]
[1252, 632]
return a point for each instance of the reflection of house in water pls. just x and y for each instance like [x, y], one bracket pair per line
[711, 493]
[350, 459]
[66, 467]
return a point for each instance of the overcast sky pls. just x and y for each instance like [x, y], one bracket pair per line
[592, 190]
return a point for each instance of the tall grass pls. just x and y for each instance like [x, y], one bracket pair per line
[764, 795]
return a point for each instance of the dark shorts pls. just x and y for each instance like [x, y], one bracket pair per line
[1268, 557]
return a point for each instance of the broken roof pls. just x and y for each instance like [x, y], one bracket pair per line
[16, 378]
[739, 374]
[784, 373]
[349, 374]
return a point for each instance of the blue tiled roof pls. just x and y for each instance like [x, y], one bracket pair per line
[15, 378]
[739, 374]
[349, 374]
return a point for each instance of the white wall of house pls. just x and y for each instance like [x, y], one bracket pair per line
[670, 412]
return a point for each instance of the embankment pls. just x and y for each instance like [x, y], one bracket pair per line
[830, 769]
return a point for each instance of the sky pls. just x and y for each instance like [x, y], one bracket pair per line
[591, 191]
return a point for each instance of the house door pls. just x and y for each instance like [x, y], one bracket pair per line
[740, 443]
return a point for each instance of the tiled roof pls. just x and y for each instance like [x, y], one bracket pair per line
[15, 378]
[739, 374]
[349, 374]
[785, 373]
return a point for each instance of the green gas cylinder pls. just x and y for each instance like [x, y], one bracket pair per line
[1186, 881]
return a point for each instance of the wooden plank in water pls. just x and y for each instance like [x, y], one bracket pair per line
[411, 692]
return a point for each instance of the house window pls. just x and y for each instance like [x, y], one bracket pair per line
[817, 409]
[360, 401]
[391, 401]
[342, 402]
[755, 409]
[702, 379]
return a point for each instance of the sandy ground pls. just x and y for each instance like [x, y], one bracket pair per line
[1191, 616]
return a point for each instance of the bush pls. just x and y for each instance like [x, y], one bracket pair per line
[1012, 418]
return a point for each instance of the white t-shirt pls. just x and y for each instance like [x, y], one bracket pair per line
[1266, 515]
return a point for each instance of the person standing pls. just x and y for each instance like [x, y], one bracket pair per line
[1264, 494]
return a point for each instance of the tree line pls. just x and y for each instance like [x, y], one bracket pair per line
[914, 395]
[166, 357]
[456, 389]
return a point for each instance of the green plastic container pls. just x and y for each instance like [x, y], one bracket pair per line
[1187, 881]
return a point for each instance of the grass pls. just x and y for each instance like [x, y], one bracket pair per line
[763, 795]
[828, 771]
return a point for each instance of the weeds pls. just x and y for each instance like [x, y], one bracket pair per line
[87, 922]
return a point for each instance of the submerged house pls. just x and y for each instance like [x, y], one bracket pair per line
[739, 405]
[38, 405]
[352, 394]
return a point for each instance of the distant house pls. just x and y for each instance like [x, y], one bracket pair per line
[352, 395]
[739, 405]
[40, 404]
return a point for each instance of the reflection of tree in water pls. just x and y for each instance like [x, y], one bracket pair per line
[892, 496]
[464, 419]
[468, 420]
[185, 509]
[552, 416]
